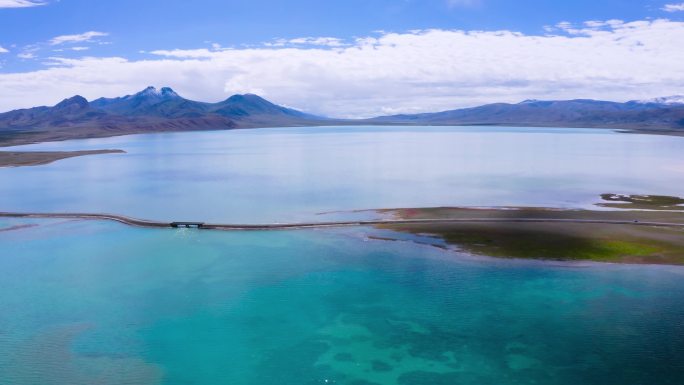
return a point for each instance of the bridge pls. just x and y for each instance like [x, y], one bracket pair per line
[306, 225]
[188, 225]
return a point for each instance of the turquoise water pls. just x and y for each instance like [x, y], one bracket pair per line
[102, 303]
[85, 303]
[291, 174]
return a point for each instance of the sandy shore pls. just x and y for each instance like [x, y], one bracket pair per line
[35, 158]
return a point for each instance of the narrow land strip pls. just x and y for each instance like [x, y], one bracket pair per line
[36, 158]
[623, 236]
[302, 225]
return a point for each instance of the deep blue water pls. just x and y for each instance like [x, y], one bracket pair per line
[85, 303]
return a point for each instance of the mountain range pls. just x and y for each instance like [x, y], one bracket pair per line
[660, 114]
[163, 110]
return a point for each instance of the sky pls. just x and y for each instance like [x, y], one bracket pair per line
[351, 58]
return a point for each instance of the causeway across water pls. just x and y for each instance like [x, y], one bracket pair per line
[307, 225]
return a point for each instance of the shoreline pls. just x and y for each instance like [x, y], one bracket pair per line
[676, 223]
[38, 158]
[24, 138]
[620, 236]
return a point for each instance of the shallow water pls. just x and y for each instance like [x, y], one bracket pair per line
[97, 302]
[291, 174]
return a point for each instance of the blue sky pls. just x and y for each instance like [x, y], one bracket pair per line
[45, 37]
[135, 25]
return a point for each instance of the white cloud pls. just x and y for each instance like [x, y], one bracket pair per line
[185, 53]
[3, 50]
[463, 3]
[673, 7]
[310, 41]
[392, 72]
[594, 23]
[83, 37]
[26, 55]
[71, 49]
[586, 28]
[321, 41]
[20, 3]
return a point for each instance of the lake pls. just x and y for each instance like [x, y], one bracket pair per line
[90, 302]
[292, 174]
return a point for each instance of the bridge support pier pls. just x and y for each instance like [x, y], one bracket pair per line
[187, 225]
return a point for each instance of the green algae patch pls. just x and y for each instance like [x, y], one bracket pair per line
[561, 241]
[551, 242]
[642, 202]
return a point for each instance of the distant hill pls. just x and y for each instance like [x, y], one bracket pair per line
[636, 115]
[163, 110]
[667, 100]
[150, 110]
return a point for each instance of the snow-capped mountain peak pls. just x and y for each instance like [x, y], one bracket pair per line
[150, 91]
[167, 92]
[667, 100]
[153, 92]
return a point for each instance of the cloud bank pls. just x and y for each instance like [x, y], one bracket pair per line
[82, 37]
[20, 3]
[415, 71]
[674, 7]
